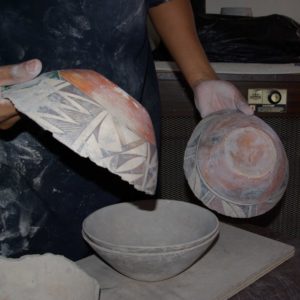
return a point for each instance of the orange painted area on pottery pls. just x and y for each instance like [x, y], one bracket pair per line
[241, 168]
[121, 105]
[249, 152]
[96, 119]
[247, 158]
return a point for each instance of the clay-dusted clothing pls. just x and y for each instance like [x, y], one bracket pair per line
[46, 190]
[103, 35]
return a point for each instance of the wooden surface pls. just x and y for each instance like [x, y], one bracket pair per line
[237, 259]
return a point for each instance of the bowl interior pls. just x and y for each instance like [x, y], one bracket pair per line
[150, 223]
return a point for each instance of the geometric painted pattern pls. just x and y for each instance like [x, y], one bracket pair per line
[201, 190]
[102, 123]
[195, 153]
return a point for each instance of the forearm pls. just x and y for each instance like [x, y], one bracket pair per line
[174, 21]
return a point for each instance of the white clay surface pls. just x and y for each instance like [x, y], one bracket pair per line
[45, 277]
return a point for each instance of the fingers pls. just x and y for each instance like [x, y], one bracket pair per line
[244, 108]
[8, 114]
[13, 74]
[9, 122]
[216, 95]
[7, 110]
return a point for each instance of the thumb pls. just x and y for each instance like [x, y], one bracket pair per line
[244, 107]
[18, 73]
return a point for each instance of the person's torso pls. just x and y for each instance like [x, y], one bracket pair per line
[104, 35]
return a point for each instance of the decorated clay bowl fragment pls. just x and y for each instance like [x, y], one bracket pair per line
[236, 164]
[96, 119]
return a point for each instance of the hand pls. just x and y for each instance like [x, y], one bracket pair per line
[214, 95]
[13, 74]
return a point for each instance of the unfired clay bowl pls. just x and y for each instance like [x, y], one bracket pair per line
[151, 240]
[46, 277]
[152, 266]
[236, 164]
[150, 226]
[96, 119]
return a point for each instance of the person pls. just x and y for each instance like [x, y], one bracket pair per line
[46, 191]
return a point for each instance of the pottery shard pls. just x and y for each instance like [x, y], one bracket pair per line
[45, 277]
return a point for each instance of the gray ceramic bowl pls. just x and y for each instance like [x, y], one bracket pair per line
[151, 226]
[151, 266]
[151, 240]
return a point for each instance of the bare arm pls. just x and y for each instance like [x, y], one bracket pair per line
[174, 21]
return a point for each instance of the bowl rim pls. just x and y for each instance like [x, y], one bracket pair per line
[152, 248]
[92, 244]
[216, 228]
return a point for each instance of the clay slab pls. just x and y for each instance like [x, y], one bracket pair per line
[46, 277]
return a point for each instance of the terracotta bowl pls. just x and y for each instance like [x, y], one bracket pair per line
[96, 119]
[151, 240]
[236, 164]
